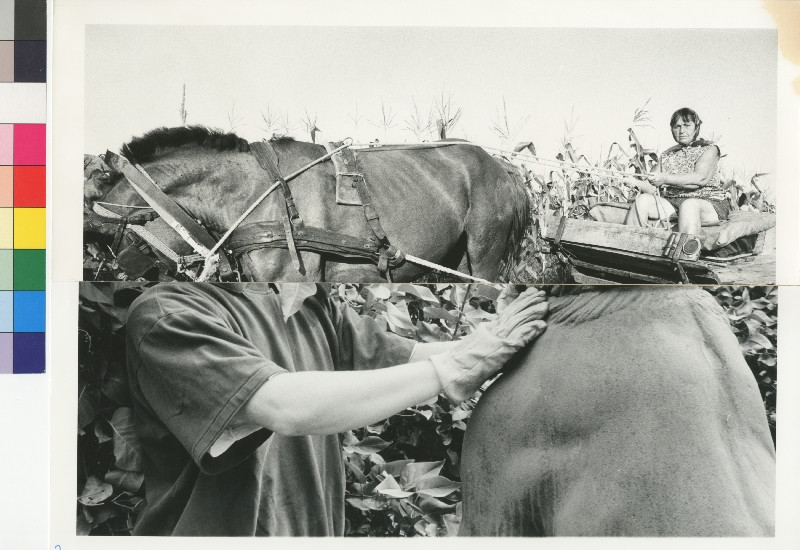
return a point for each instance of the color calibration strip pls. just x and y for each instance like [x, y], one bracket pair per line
[23, 50]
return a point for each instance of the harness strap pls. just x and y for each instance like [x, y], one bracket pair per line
[191, 231]
[268, 160]
[94, 218]
[148, 237]
[346, 164]
[288, 230]
[346, 174]
[273, 234]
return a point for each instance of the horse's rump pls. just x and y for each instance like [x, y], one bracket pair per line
[633, 414]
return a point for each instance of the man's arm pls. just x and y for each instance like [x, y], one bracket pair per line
[311, 402]
[303, 403]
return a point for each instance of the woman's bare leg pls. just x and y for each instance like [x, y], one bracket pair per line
[648, 207]
[693, 213]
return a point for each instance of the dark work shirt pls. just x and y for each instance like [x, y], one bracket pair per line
[196, 354]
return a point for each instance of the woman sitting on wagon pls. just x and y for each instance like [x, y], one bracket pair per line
[689, 174]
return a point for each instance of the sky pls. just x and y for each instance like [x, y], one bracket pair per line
[581, 84]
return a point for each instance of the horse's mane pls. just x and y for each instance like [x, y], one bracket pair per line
[155, 142]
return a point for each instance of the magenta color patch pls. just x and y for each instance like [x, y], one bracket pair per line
[6, 353]
[6, 144]
[29, 144]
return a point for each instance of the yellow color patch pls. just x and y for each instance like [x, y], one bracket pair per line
[6, 228]
[29, 228]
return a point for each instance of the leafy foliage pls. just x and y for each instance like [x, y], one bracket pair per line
[402, 474]
[753, 314]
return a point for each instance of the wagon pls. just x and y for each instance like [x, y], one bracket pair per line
[601, 249]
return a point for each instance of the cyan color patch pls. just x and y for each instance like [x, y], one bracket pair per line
[6, 311]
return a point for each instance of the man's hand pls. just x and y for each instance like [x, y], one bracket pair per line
[483, 353]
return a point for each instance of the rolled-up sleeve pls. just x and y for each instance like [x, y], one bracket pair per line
[195, 374]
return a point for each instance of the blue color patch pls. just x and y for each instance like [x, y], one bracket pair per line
[29, 309]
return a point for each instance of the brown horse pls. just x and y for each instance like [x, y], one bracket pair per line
[633, 414]
[453, 205]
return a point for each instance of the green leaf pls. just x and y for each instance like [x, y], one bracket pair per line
[431, 505]
[768, 361]
[83, 527]
[367, 446]
[399, 320]
[761, 341]
[293, 295]
[452, 523]
[94, 294]
[394, 468]
[763, 317]
[391, 488]
[415, 471]
[380, 292]
[437, 486]
[95, 492]
[421, 292]
[458, 293]
[125, 481]
[359, 475]
[126, 442]
[86, 410]
[367, 504]
[439, 313]
[101, 431]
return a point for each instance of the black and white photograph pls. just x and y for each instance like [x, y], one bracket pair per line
[250, 409]
[368, 154]
[450, 269]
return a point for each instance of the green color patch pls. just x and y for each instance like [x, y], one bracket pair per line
[29, 270]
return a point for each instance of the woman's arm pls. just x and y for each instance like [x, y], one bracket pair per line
[704, 170]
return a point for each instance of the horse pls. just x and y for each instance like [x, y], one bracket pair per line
[449, 203]
[633, 414]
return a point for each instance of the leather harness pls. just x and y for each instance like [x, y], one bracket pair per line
[290, 233]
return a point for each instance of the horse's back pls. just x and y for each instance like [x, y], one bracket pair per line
[435, 201]
[634, 414]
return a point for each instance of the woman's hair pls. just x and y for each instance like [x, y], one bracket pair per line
[689, 115]
[686, 114]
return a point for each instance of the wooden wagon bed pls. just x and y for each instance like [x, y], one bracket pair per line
[601, 252]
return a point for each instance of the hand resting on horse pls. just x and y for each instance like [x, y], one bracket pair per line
[314, 402]
[483, 353]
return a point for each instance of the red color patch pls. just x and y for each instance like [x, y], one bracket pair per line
[29, 186]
